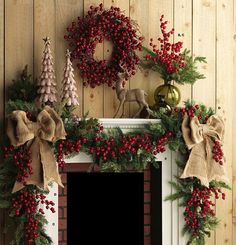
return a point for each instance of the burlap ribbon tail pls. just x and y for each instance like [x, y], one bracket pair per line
[37, 135]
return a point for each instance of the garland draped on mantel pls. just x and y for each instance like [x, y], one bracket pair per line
[116, 151]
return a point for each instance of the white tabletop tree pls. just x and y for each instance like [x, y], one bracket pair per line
[69, 90]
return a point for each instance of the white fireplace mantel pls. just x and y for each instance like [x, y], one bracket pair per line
[172, 218]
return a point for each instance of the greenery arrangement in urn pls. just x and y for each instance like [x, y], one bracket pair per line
[173, 65]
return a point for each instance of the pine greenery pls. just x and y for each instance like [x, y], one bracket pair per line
[186, 75]
[23, 88]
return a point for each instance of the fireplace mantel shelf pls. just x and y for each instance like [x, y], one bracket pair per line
[126, 123]
[171, 212]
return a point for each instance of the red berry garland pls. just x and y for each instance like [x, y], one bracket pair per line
[99, 25]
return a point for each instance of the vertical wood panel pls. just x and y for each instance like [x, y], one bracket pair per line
[140, 13]
[224, 97]
[183, 32]
[1, 99]
[18, 37]
[110, 99]
[66, 12]
[94, 98]
[204, 44]
[155, 11]
[204, 26]
[234, 126]
[18, 45]
[44, 25]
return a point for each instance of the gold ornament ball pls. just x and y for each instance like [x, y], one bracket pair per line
[170, 94]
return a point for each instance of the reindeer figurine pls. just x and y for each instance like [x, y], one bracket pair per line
[125, 95]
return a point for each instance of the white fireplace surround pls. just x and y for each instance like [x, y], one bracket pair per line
[172, 217]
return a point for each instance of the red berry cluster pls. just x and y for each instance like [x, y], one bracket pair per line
[199, 206]
[26, 203]
[161, 142]
[104, 148]
[169, 53]
[22, 159]
[190, 111]
[7, 150]
[218, 152]
[100, 24]
[67, 147]
[193, 111]
[29, 115]
[131, 144]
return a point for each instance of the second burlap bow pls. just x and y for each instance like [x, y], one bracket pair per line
[199, 138]
[36, 135]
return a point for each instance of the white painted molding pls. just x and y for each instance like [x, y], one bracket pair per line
[171, 220]
[126, 123]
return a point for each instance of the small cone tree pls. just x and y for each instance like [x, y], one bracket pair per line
[47, 86]
[69, 89]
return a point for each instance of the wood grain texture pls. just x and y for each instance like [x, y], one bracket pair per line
[204, 14]
[94, 98]
[44, 25]
[66, 12]
[224, 98]
[183, 26]
[18, 46]
[234, 126]
[204, 44]
[18, 38]
[139, 12]
[183, 32]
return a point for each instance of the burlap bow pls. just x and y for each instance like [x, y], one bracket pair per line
[200, 138]
[48, 128]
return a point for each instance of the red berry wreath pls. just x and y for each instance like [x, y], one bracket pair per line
[100, 24]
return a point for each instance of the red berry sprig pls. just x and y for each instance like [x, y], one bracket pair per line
[169, 54]
[131, 144]
[104, 148]
[161, 142]
[100, 24]
[26, 203]
[192, 111]
[22, 160]
[7, 150]
[218, 152]
[67, 147]
[199, 206]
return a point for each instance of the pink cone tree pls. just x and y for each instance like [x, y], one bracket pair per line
[47, 86]
[69, 90]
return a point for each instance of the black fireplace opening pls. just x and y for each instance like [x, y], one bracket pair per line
[105, 208]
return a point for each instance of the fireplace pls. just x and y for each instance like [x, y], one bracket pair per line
[105, 208]
[141, 190]
[162, 221]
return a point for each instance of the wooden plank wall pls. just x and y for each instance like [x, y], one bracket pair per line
[207, 27]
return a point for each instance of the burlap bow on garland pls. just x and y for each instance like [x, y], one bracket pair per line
[199, 138]
[36, 135]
